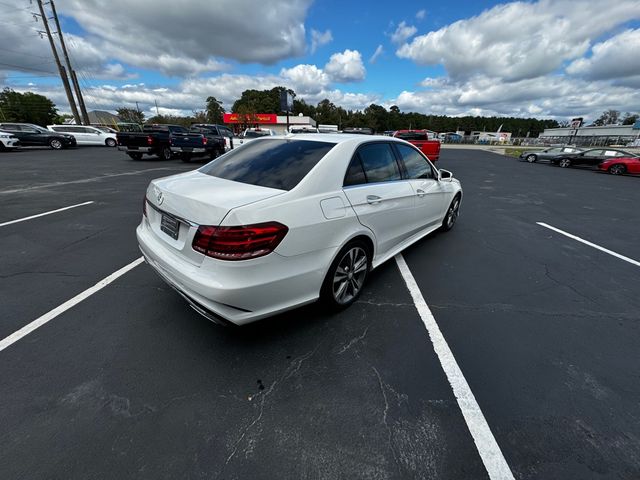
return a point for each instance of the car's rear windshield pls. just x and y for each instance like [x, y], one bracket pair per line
[273, 163]
[256, 134]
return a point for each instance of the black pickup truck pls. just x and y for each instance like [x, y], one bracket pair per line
[201, 141]
[154, 140]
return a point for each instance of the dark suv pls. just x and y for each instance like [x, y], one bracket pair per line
[31, 135]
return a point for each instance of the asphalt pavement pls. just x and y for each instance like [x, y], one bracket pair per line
[132, 383]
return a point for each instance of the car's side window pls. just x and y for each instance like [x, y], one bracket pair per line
[415, 164]
[593, 153]
[355, 173]
[379, 162]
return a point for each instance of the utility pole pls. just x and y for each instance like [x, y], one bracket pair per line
[157, 111]
[63, 73]
[72, 73]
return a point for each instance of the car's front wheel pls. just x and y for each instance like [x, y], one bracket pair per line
[110, 142]
[347, 275]
[55, 144]
[531, 158]
[617, 169]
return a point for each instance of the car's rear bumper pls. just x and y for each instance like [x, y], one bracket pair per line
[188, 150]
[124, 148]
[238, 291]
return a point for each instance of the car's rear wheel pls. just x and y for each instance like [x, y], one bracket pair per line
[346, 276]
[215, 154]
[531, 158]
[135, 156]
[110, 142]
[452, 215]
[564, 163]
[55, 144]
[165, 153]
[617, 169]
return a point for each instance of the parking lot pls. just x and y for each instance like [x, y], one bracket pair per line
[129, 382]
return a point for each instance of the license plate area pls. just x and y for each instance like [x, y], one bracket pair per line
[170, 225]
[187, 149]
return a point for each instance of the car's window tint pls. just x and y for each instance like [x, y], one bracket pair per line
[355, 174]
[415, 164]
[554, 150]
[379, 162]
[273, 163]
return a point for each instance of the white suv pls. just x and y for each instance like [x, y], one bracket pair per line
[8, 141]
[86, 135]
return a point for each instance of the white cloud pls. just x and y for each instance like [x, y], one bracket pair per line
[319, 39]
[420, 14]
[191, 37]
[346, 67]
[615, 58]
[379, 51]
[308, 79]
[403, 33]
[519, 40]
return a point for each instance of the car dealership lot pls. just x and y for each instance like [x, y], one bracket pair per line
[131, 383]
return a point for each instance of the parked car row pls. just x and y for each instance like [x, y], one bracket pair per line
[14, 135]
[611, 160]
[165, 141]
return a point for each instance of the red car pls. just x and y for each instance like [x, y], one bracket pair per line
[423, 139]
[620, 166]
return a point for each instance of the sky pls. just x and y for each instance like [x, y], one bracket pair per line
[545, 59]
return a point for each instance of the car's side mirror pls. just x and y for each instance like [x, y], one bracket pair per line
[445, 175]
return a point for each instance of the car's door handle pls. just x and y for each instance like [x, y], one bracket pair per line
[373, 199]
[420, 192]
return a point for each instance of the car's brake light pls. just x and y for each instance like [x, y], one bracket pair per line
[204, 140]
[239, 243]
[149, 140]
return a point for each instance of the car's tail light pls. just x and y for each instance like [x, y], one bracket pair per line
[204, 140]
[239, 243]
[149, 140]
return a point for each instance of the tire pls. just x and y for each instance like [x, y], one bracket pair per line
[135, 156]
[452, 214]
[55, 144]
[165, 153]
[215, 154]
[531, 158]
[185, 157]
[617, 169]
[110, 142]
[565, 162]
[341, 286]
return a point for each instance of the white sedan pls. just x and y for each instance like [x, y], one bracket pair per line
[87, 135]
[8, 141]
[284, 221]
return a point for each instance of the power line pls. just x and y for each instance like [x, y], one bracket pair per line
[23, 67]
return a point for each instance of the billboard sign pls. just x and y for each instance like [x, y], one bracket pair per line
[576, 122]
[286, 101]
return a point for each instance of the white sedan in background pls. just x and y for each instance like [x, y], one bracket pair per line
[284, 221]
[86, 135]
[8, 141]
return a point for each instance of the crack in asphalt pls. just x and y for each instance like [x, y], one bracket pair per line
[384, 418]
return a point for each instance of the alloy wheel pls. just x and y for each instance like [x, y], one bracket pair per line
[565, 162]
[350, 275]
[617, 169]
[55, 144]
[531, 158]
[452, 213]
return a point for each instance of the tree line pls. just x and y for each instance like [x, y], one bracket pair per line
[30, 107]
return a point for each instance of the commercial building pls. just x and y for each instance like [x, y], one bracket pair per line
[277, 123]
[593, 136]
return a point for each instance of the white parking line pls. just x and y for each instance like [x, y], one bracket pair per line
[488, 448]
[47, 317]
[587, 242]
[84, 180]
[45, 213]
